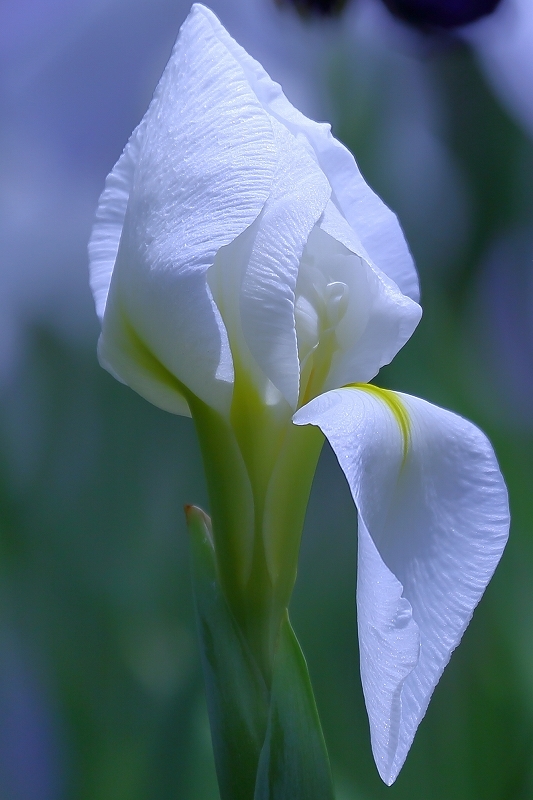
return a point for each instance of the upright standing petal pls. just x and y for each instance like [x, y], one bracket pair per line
[254, 278]
[390, 316]
[376, 225]
[196, 174]
[434, 521]
[299, 196]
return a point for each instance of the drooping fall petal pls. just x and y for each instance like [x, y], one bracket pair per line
[433, 522]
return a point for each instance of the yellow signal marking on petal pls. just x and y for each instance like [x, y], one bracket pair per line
[393, 402]
[139, 351]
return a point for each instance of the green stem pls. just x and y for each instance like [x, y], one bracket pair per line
[257, 520]
[267, 741]
[266, 734]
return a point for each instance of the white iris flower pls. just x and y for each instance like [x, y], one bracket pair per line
[240, 263]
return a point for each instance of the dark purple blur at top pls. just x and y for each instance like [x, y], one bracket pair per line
[322, 8]
[422, 13]
[440, 13]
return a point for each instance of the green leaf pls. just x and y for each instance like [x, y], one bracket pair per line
[294, 763]
[237, 697]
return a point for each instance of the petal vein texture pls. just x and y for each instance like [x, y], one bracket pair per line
[196, 173]
[377, 226]
[433, 522]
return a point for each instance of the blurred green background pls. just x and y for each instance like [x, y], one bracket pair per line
[101, 694]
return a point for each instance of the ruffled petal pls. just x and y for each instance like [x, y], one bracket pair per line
[202, 171]
[434, 520]
[375, 224]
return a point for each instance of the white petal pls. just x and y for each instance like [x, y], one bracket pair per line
[112, 205]
[376, 226]
[389, 645]
[128, 358]
[203, 171]
[105, 236]
[380, 318]
[435, 520]
[256, 275]
[299, 195]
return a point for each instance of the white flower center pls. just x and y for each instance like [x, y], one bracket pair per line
[320, 306]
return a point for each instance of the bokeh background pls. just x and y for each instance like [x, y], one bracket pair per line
[100, 688]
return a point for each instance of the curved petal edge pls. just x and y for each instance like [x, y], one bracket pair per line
[433, 523]
[375, 224]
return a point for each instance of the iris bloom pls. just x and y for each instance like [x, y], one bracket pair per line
[245, 274]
